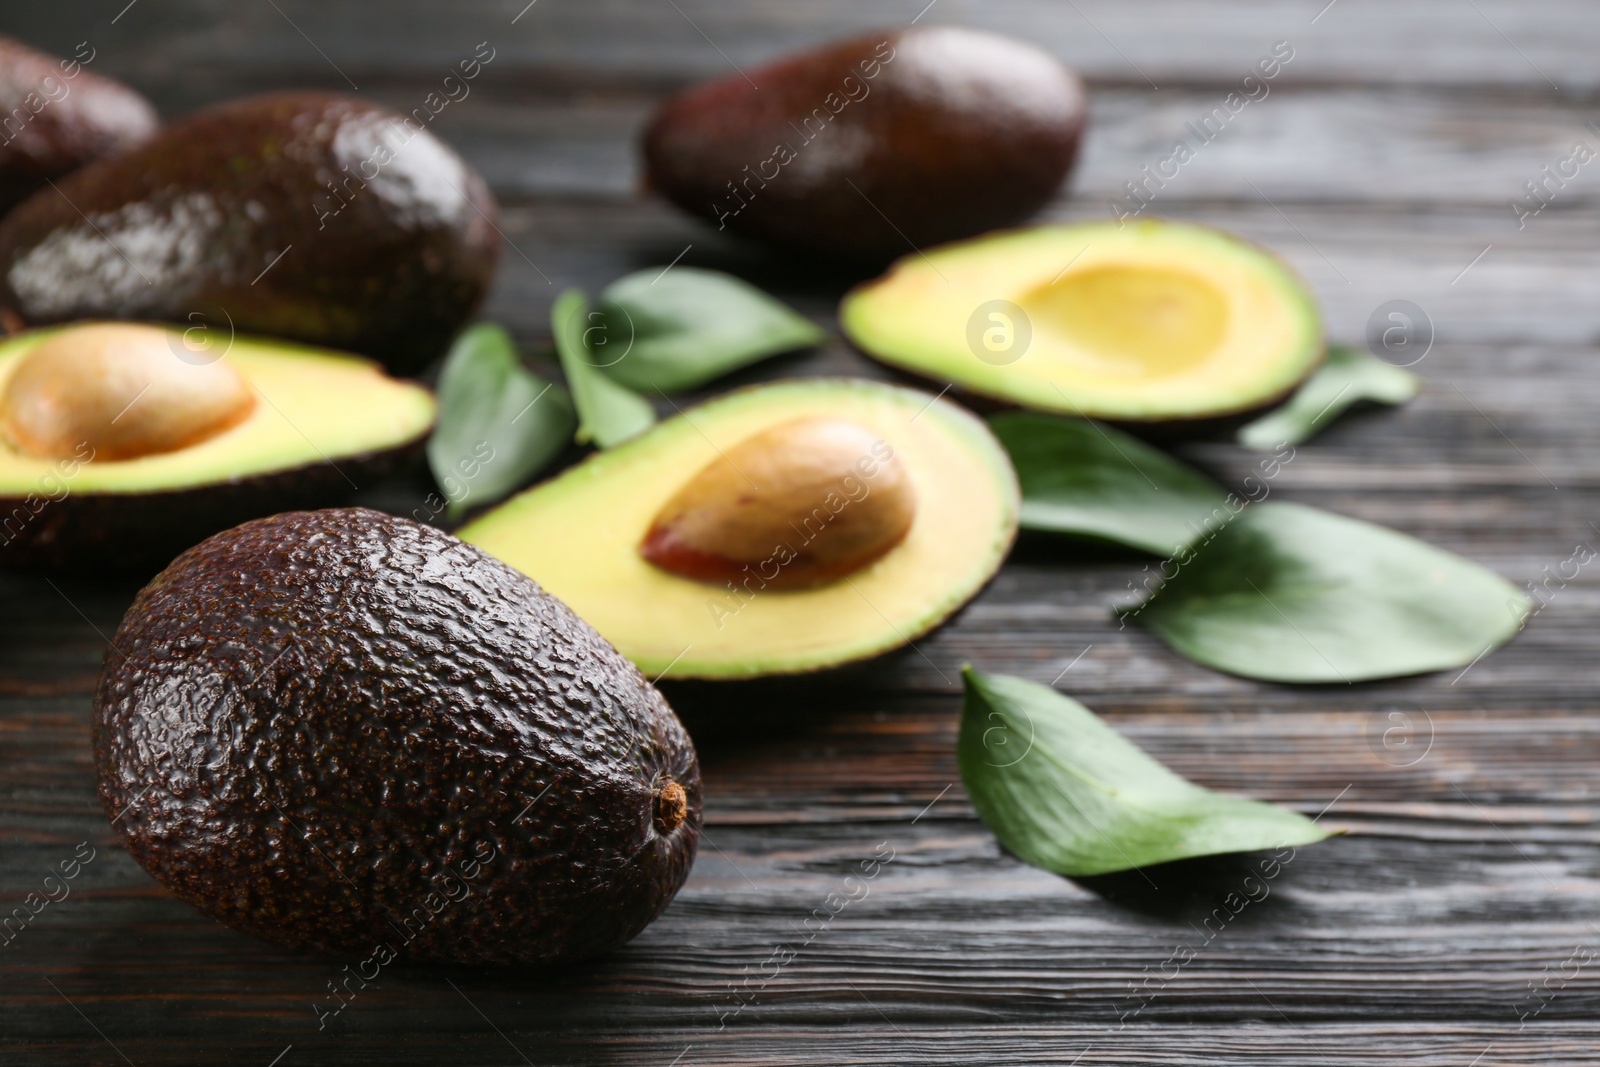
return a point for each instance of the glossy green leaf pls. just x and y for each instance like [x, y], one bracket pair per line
[681, 328]
[1064, 791]
[1292, 594]
[499, 423]
[1348, 377]
[1080, 477]
[608, 413]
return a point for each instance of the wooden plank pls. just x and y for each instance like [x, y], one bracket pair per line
[1379, 166]
[869, 1040]
[955, 934]
[1299, 143]
[611, 43]
[1395, 924]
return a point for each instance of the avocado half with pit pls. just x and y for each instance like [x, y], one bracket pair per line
[777, 529]
[122, 444]
[1151, 321]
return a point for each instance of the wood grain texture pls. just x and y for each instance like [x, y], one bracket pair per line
[1380, 167]
[612, 43]
[1421, 145]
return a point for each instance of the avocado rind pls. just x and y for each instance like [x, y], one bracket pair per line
[59, 115]
[347, 732]
[139, 533]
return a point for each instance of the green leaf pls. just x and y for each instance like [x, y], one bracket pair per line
[608, 413]
[1289, 593]
[680, 329]
[1064, 791]
[1348, 377]
[499, 423]
[1079, 477]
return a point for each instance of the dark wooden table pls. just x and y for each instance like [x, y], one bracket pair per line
[1458, 921]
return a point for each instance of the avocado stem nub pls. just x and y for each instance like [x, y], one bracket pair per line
[671, 807]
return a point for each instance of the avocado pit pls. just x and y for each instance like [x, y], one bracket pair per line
[121, 390]
[801, 503]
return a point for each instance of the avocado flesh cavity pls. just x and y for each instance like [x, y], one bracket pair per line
[579, 535]
[352, 733]
[1151, 321]
[319, 218]
[321, 425]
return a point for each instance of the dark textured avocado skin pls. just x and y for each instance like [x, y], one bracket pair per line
[339, 730]
[139, 533]
[56, 115]
[958, 132]
[391, 243]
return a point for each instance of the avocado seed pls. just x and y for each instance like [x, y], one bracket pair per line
[796, 505]
[121, 390]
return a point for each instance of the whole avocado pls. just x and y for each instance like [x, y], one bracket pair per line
[307, 216]
[347, 732]
[55, 116]
[872, 147]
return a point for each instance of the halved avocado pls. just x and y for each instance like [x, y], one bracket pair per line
[301, 428]
[585, 534]
[1150, 321]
